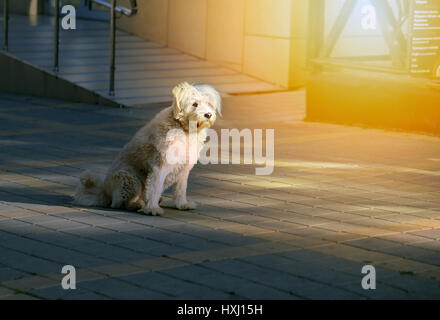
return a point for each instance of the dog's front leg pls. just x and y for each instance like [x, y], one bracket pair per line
[154, 189]
[180, 186]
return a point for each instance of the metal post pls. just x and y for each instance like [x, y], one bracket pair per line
[57, 36]
[392, 33]
[112, 47]
[338, 27]
[315, 33]
[5, 24]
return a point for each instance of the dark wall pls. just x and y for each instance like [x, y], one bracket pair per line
[17, 76]
[22, 6]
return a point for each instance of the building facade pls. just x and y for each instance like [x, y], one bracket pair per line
[265, 39]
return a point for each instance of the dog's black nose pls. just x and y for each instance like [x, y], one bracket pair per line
[208, 115]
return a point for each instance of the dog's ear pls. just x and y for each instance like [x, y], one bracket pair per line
[214, 97]
[179, 92]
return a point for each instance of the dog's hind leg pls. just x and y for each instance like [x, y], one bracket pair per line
[127, 191]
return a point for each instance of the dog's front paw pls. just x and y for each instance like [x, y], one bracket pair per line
[188, 205]
[154, 211]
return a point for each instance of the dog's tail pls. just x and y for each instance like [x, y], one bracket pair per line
[90, 191]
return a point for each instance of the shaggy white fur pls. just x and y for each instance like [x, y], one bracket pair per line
[142, 171]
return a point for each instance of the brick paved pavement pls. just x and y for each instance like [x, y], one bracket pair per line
[339, 198]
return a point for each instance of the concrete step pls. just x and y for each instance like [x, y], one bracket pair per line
[145, 71]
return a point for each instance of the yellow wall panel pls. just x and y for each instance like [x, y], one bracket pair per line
[151, 21]
[299, 18]
[268, 59]
[298, 63]
[262, 38]
[187, 26]
[225, 32]
[268, 17]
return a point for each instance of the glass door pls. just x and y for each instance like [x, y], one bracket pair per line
[396, 36]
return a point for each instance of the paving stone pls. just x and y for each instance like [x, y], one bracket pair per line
[382, 292]
[231, 286]
[404, 238]
[343, 213]
[62, 239]
[4, 292]
[20, 228]
[98, 220]
[431, 234]
[54, 253]
[101, 235]
[58, 293]
[113, 252]
[19, 296]
[373, 244]
[430, 245]
[63, 225]
[117, 289]
[414, 253]
[303, 280]
[417, 288]
[10, 274]
[327, 262]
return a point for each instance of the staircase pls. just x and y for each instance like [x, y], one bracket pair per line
[145, 71]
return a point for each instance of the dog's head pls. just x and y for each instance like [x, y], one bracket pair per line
[200, 104]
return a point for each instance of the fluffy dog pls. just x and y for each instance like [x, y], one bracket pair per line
[143, 170]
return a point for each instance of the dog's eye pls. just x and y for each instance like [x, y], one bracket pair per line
[195, 104]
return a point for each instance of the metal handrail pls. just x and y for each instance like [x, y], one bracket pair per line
[5, 24]
[112, 48]
[125, 11]
[113, 9]
[56, 37]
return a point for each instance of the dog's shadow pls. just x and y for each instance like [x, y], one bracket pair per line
[167, 204]
[22, 197]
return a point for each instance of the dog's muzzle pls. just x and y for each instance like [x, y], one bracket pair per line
[204, 124]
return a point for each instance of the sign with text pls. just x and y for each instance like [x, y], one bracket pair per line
[425, 38]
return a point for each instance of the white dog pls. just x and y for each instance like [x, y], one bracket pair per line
[142, 171]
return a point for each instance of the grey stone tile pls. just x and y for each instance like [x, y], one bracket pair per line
[20, 228]
[431, 234]
[30, 264]
[53, 253]
[58, 293]
[121, 290]
[178, 288]
[373, 244]
[234, 286]
[152, 248]
[7, 273]
[62, 239]
[113, 253]
[101, 235]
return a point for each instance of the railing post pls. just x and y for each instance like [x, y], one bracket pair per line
[5, 24]
[112, 47]
[57, 37]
